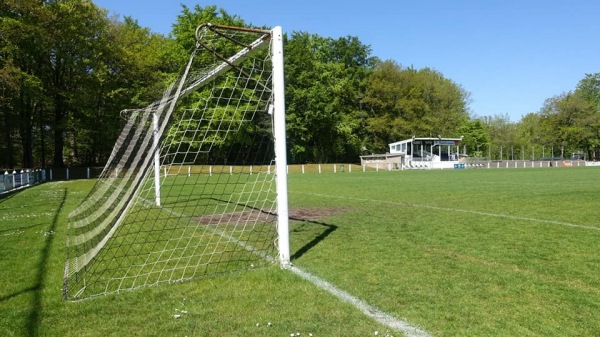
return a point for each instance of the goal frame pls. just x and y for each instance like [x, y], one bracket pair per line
[280, 146]
[84, 245]
[279, 132]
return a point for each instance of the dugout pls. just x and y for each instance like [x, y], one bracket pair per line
[386, 161]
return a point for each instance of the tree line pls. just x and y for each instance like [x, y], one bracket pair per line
[67, 68]
[567, 125]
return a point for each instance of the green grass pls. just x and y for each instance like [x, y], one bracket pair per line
[482, 252]
[459, 252]
[32, 253]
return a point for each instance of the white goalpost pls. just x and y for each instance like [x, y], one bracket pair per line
[196, 184]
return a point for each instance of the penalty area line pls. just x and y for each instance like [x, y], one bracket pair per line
[439, 208]
[367, 309]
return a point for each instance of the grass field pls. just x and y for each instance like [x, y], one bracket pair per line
[458, 253]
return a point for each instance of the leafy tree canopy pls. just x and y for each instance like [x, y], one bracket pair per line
[403, 102]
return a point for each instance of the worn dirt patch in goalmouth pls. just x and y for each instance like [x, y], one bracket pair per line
[298, 214]
[313, 214]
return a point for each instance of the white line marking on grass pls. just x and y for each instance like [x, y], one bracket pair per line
[496, 215]
[370, 311]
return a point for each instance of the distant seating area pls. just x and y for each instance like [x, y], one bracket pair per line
[418, 166]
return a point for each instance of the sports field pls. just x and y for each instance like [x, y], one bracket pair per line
[513, 252]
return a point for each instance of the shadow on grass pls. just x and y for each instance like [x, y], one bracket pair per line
[9, 230]
[6, 196]
[16, 294]
[33, 320]
[36, 307]
[327, 230]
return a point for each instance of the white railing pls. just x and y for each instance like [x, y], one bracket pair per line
[13, 180]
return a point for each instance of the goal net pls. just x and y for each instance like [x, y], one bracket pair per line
[196, 183]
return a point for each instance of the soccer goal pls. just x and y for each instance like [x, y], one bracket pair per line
[196, 183]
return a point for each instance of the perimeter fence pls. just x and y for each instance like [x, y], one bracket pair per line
[13, 180]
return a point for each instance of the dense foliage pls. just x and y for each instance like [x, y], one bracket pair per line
[406, 102]
[67, 69]
[325, 79]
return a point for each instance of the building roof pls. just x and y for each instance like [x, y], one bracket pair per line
[383, 155]
[426, 138]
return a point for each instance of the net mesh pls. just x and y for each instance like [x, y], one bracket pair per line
[214, 210]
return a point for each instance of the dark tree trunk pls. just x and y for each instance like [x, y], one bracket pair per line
[59, 140]
[26, 134]
[8, 160]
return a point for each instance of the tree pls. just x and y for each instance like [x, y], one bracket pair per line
[325, 79]
[24, 98]
[589, 89]
[529, 133]
[570, 122]
[476, 137]
[503, 137]
[10, 79]
[131, 69]
[407, 102]
[184, 34]
[65, 73]
[184, 28]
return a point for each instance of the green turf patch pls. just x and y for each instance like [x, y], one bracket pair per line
[487, 253]
[458, 252]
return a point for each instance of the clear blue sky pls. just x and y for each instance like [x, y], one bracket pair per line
[511, 55]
